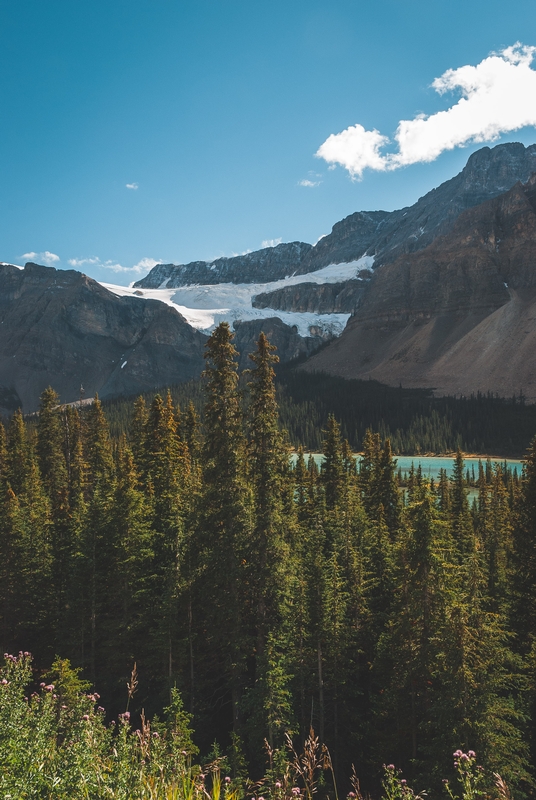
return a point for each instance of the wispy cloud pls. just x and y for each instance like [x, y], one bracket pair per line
[81, 262]
[308, 183]
[142, 266]
[498, 95]
[46, 257]
[132, 186]
[271, 242]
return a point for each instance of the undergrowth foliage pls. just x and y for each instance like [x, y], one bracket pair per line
[56, 745]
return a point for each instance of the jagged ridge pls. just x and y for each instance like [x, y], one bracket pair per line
[278, 262]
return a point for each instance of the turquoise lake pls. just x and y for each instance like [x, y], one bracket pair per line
[430, 465]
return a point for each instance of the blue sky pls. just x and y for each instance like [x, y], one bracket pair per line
[214, 110]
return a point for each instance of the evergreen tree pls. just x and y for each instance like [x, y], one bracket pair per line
[407, 649]
[134, 592]
[269, 548]
[459, 511]
[167, 466]
[333, 465]
[384, 492]
[137, 433]
[50, 452]
[224, 527]
[17, 454]
[98, 545]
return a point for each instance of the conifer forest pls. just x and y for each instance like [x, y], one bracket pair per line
[241, 603]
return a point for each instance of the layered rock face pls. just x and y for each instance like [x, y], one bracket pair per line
[63, 329]
[323, 298]
[268, 264]
[460, 315]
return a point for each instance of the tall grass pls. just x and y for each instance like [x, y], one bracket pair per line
[56, 745]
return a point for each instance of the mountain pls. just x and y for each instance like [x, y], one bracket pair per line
[270, 263]
[386, 235]
[64, 329]
[314, 298]
[448, 302]
[459, 315]
[290, 345]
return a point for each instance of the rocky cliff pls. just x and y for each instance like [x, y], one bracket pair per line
[458, 316]
[63, 329]
[268, 264]
[323, 298]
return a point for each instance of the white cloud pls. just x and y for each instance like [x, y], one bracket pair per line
[80, 262]
[142, 266]
[46, 257]
[498, 95]
[271, 242]
[132, 186]
[308, 183]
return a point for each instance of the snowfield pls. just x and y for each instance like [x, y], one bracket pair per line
[205, 306]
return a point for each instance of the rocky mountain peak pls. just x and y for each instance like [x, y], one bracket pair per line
[268, 264]
[493, 169]
[388, 234]
[383, 234]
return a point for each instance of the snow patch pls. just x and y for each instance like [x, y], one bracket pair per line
[123, 364]
[205, 306]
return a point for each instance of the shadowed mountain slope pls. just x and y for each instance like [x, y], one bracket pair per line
[459, 316]
[65, 329]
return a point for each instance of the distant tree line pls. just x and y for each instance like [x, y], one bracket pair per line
[274, 598]
[414, 420]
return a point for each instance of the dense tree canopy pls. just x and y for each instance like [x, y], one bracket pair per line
[399, 622]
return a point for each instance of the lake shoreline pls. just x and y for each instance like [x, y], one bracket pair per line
[481, 456]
